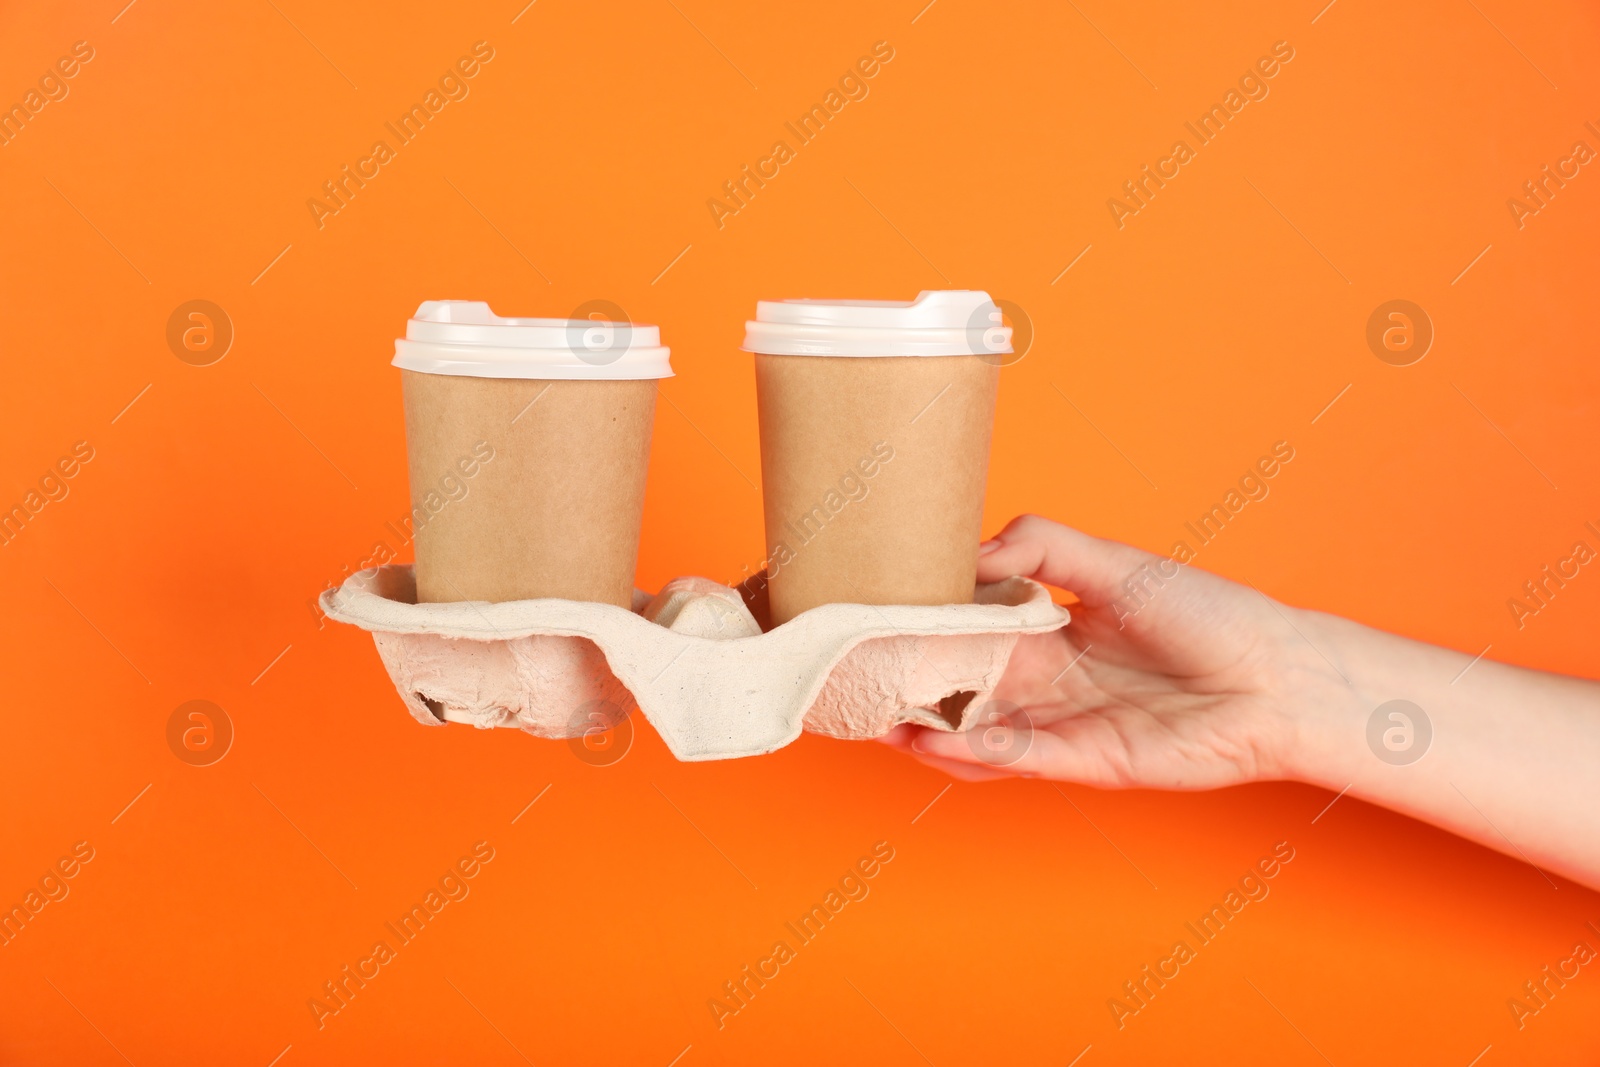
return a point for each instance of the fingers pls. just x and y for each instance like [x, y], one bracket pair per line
[980, 749]
[962, 772]
[908, 738]
[901, 736]
[1016, 753]
[1048, 552]
[905, 738]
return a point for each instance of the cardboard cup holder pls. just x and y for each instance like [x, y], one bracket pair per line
[694, 659]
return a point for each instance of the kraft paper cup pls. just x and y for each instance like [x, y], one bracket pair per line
[875, 424]
[528, 442]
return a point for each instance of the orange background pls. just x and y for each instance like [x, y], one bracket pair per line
[1223, 317]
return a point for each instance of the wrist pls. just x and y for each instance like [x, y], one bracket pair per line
[1323, 698]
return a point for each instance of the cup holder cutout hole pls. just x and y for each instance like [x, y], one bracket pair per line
[951, 707]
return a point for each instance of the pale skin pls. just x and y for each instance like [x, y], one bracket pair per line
[1196, 682]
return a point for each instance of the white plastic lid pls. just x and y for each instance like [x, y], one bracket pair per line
[464, 337]
[950, 322]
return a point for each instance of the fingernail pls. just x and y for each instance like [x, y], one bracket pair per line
[988, 547]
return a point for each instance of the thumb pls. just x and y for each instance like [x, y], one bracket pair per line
[1033, 547]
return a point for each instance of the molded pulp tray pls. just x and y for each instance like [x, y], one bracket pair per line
[694, 659]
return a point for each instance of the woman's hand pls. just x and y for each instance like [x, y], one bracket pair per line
[1172, 678]
[1166, 678]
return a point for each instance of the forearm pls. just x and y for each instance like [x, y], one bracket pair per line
[1514, 757]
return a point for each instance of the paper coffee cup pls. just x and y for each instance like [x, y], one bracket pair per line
[528, 442]
[875, 424]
